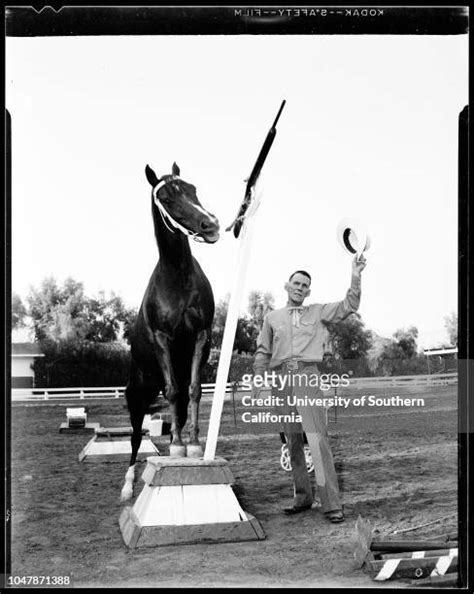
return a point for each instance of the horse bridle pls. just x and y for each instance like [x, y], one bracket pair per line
[165, 215]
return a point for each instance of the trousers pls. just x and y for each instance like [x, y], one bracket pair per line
[313, 423]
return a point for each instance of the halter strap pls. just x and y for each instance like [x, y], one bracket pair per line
[165, 215]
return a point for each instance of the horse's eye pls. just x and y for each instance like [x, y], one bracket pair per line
[163, 197]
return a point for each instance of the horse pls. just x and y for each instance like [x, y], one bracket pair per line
[171, 337]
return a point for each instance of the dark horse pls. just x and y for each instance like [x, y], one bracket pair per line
[170, 341]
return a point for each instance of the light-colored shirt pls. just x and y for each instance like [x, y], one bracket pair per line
[280, 339]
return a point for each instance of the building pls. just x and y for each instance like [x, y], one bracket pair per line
[23, 357]
[442, 360]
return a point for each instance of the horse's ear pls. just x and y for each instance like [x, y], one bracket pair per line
[175, 169]
[151, 176]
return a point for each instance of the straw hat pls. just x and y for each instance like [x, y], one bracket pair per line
[352, 236]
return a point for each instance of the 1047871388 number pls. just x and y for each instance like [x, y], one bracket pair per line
[38, 580]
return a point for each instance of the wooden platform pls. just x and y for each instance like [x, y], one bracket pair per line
[115, 448]
[136, 535]
[184, 501]
[168, 471]
[87, 428]
[108, 432]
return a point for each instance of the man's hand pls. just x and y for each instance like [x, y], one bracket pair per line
[256, 389]
[358, 265]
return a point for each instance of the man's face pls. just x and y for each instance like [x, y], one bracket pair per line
[298, 289]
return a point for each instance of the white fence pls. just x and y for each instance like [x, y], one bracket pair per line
[51, 394]
[42, 394]
[439, 379]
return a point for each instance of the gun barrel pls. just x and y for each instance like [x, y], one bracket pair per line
[261, 157]
[279, 113]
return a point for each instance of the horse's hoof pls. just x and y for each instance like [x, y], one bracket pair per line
[194, 450]
[126, 493]
[177, 451]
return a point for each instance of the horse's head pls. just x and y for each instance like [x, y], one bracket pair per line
[179, 206]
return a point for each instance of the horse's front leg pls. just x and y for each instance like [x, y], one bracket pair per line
[195, 393]
[171, 389]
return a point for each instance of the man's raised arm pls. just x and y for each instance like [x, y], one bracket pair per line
[338, 311]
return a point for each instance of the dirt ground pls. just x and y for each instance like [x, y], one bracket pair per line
[397, 467]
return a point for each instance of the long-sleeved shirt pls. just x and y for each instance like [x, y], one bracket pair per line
[280, 340]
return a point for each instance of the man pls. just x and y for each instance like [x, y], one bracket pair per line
[292, 342]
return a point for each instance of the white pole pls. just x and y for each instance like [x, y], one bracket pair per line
[229, 331]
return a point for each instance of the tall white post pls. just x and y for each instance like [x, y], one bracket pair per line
[243, 253]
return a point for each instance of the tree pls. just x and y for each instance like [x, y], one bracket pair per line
[66, 313]
[259, 304]
[69, 318]
[19, 312]
[406, 340]
[126, 323]
[79, 335]
[348, 346]
[349, 338]
[246, 332]
[400, 356]
[218, 324]
[58, 312]
[246, 335]
[41, 304]
[451, 325]
[108, 318]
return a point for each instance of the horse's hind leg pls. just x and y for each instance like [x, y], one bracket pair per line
[135, 395]
[136, 418]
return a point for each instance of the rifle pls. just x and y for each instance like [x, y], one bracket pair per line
[252, 180]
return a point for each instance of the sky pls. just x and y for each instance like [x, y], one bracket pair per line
[369, 131]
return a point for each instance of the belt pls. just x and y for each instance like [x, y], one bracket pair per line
[294, 364]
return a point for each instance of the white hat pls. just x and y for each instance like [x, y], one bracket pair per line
[352, 236]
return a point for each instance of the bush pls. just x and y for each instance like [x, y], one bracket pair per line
[415, 365]
[241, 363]
[72, 363]
[352, 367]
